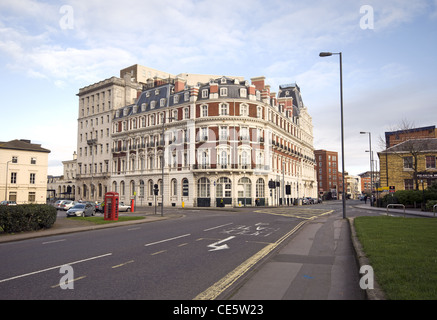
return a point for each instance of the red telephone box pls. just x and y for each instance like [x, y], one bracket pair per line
[111, 206]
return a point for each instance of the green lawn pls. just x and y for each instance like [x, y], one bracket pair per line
[101, 220]
[403, 254]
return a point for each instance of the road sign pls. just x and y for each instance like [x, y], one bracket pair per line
[392, 189]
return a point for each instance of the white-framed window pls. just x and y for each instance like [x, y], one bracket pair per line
[204, 110]
[223, 133]
[205, 93]
[224, 109]
[224, 92]
[204, 133]
[243, 93]
[152, 104]
[162, 102]
[259, 112]
[186, 113]
[244, 110]
[244, 133]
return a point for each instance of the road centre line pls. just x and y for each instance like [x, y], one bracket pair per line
[54, 241]
[57, 267]
[122, 264]
[159, 252]
[223, 225]
[165, 240]
[58, 285]
[220, 286]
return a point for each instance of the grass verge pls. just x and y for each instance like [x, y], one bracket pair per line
[402, 253]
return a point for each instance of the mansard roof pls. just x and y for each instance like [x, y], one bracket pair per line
[155, 95]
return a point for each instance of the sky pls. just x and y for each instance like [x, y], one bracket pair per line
[51, 49]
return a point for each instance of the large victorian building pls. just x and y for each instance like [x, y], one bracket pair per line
[217, 141]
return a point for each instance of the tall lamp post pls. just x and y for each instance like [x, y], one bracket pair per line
[371, 165]
[328, 54]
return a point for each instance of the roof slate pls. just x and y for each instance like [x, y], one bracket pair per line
[24, 145]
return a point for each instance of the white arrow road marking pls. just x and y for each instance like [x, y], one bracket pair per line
[215, 246]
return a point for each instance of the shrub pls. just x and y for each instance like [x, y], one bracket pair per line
[28, 217]
[430, 204]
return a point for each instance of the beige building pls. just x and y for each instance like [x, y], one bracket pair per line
[63, 187]
[23, 172]
[97, 105]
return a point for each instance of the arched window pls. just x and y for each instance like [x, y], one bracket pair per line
[122, 190]
[142, 188]
[245, 188]
[224, 188]
[185, 187]
[150, 186]
[132, 188]
[260, 187]
[174, 187]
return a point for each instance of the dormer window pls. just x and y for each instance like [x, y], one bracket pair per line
[224, 92]
[243, 93]
[205, 93]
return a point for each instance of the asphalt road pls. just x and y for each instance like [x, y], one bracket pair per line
[175, 259]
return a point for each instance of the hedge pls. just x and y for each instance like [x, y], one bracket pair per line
[410, 198]
[28, 217]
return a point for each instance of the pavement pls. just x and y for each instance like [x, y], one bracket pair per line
[320, 262]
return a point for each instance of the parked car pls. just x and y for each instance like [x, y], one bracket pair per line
[8, 203]
[68, 204]
[58, 204]
[81, 210]
[100, 207]
[309, 200]
[123, 207]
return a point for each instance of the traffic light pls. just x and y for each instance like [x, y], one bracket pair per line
[155, 189]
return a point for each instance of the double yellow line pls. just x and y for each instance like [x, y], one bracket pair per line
[220, 286]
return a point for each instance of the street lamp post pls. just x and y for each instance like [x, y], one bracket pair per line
[328, 54]
[371, 165]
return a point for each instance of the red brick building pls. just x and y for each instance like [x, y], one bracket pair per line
[328, 177]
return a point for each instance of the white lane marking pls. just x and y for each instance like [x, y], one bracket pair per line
[223, 225]
[57, 267]
[165, 240]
